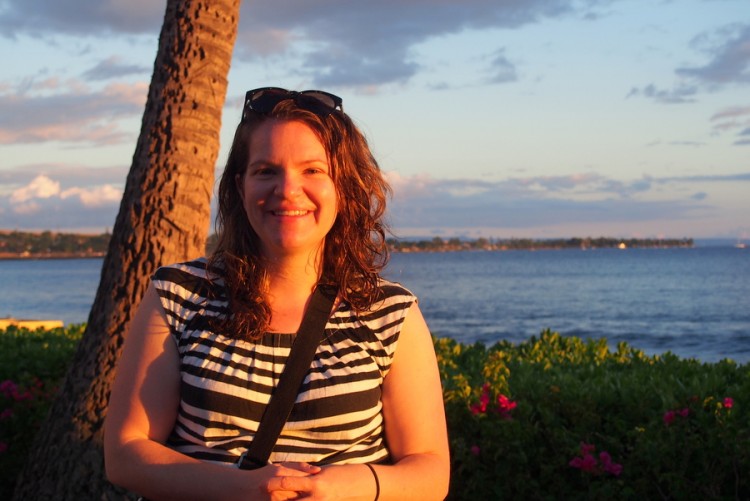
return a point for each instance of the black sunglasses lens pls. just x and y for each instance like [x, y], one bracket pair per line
[265, 100]
[318, 103]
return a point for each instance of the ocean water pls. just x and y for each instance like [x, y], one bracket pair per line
[692, 302]
[49, 289]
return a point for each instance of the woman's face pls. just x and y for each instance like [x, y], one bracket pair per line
[287, 190]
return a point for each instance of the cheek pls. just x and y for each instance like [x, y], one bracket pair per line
[335, 201]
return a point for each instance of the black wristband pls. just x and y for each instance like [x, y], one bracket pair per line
[377, 481]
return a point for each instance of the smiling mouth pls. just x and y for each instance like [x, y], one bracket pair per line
[290, 212]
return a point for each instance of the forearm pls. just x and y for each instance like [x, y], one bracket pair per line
[422, 477]
[157, 472]
[416, 477]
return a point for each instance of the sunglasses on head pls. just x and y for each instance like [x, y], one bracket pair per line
[264, 100]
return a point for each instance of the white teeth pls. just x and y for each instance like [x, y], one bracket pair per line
[290, 212]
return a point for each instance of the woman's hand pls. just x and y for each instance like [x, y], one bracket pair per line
[277, 488]
[345, 482]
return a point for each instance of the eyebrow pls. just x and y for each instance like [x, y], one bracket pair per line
[302, 163]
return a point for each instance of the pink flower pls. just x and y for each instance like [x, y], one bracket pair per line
[6, 414]
[728, 402]
[481, 407]
[576, 462]
[475, 450]
[588, 463]
[8, 388]
[3, 447]
[684, 412]
[484, 400]
[587, 448]
[504, 404]
[613, 469]
[585, 463]
[669, 417]
[609, 466]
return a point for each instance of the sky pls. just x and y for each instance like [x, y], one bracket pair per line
[490, 118]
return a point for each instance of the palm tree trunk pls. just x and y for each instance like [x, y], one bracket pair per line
[164, 217]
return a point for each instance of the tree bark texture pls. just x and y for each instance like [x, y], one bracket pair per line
[164, 217]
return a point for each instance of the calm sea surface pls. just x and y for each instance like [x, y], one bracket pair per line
[692, 302]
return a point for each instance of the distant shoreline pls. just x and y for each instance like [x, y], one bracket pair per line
[404, 247]
[20, 246]
[11, 256]
[438, 244]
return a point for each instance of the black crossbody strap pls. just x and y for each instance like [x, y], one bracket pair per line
[300, 357]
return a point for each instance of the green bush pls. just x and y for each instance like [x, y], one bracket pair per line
[549, 418]
[562, 418]
[32, 365]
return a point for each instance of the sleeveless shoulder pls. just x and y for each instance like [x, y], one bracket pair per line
[392, 306]
[379, 327]
[189, 292]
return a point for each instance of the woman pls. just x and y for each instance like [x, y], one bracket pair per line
[300, 205]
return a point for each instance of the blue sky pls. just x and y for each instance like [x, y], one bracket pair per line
[503, 118]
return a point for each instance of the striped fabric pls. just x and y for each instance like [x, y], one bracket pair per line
[226, 383]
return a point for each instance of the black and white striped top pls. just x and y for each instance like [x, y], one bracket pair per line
[226, 383]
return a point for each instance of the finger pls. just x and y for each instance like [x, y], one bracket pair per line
[311, 468]
[289, 483]
[284, 495]
[303, 468]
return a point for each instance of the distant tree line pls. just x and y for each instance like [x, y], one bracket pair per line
[54, 244]
[48, 243]
[438, 244]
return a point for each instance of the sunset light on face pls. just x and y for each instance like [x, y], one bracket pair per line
[287, 190]
[548, 118]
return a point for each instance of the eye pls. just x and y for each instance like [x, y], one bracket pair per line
[263, 171]
[316, 168]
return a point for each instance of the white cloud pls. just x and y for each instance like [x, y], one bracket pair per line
[94, 197]
[60, 196]
[40, 187]
[44, 203]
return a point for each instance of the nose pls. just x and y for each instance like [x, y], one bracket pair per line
[289, 185]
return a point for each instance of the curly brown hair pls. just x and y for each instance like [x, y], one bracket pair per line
[355, 250]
